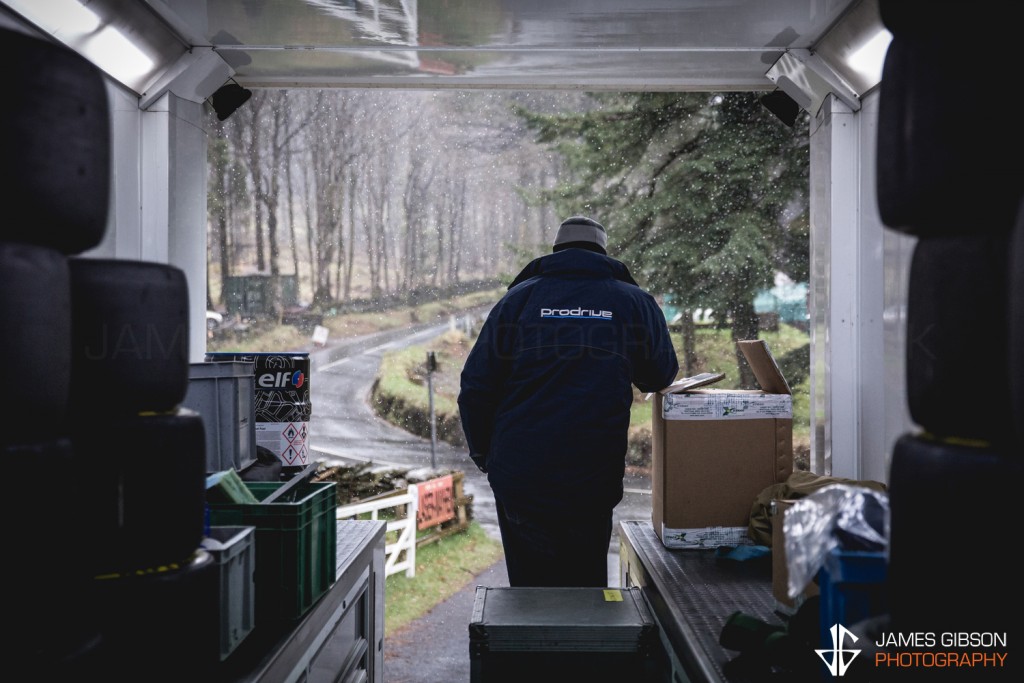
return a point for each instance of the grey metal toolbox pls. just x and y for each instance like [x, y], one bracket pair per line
[562, 634]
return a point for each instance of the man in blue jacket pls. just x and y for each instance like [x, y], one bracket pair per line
[545, 399]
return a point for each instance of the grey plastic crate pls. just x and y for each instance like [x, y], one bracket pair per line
[234, 550]
[224, 392]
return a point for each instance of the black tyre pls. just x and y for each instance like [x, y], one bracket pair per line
[35, 316]
[54, 466]
[957, 355]
[952, 506]
[50, 594]
[1016, 341]
[931, 179]
[948, 18]
[146, 478]
[129, 336]
[162, 625]
[54, 145]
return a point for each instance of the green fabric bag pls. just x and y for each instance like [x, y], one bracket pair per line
[799, 484]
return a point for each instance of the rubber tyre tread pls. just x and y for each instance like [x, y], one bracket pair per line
[146, 477]
[949, 18]
[931, 178]
[1016, 341]
[163, 625]
[35, 315]
[130, 336]
[55, 140]
[957, 356]
[950, 505]
[43, 561]
[53, 606]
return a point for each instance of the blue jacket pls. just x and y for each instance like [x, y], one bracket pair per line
[545, 392]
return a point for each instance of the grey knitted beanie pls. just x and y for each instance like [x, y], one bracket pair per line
[581, 229]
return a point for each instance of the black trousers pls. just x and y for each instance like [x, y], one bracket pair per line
[555, 550]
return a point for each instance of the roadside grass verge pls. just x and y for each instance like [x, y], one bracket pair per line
[347, 325]
[401, 393]
[443, 568]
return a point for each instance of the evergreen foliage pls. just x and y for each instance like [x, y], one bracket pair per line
[704, 194]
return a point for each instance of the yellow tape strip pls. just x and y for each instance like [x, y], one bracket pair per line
[958, 441]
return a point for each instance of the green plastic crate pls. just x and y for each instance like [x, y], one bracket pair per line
[296, 545]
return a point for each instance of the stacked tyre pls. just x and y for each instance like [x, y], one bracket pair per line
[143, 458]
[958, 189]
[106, 473]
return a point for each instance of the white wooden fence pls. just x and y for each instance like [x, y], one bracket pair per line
[401, 554]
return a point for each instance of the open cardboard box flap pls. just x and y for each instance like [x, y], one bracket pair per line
[766, 370]
[756, 351]
[686, 383]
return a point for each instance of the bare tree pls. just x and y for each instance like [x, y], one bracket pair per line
[290, 204]
[421, 172]
[330, 147]
[411, 188]
[350, 193]
[250, 144]
[217, 206]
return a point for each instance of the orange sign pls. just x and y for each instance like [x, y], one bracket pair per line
[436, 502]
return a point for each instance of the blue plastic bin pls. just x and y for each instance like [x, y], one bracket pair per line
[853, 588]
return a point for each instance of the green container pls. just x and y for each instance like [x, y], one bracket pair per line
[296, 545]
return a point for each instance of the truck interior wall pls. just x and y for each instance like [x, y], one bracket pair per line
[857, 301]
[158, 193]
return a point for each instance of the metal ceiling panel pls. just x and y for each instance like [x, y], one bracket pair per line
[591, 44]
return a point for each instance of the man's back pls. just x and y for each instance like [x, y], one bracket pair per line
[560, 352]
[545, 403]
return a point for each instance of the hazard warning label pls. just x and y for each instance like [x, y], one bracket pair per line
[286, 439]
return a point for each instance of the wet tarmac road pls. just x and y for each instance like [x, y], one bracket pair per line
[344, 429]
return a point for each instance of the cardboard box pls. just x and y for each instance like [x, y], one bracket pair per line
[780, 570]
[715, 450]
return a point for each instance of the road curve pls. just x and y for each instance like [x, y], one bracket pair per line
[344, 428]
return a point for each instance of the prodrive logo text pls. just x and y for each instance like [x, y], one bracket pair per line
[586, 313]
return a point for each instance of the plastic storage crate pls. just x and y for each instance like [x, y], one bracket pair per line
[296, 545]
[853, 588]
[548, 634]
[234, 551]
[224, 394]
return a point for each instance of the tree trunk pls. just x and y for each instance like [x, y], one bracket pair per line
[689, 343]
[744, 326]
[256, 174]
[351, 190]
[308, 190]
[292, 237]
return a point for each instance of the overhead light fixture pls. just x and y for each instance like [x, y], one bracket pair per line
[228, 98]
[66, 19]
[125, 40]
[113, 52]
[867, 60]
[782, 105]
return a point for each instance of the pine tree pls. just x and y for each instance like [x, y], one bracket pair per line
[704, 194]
